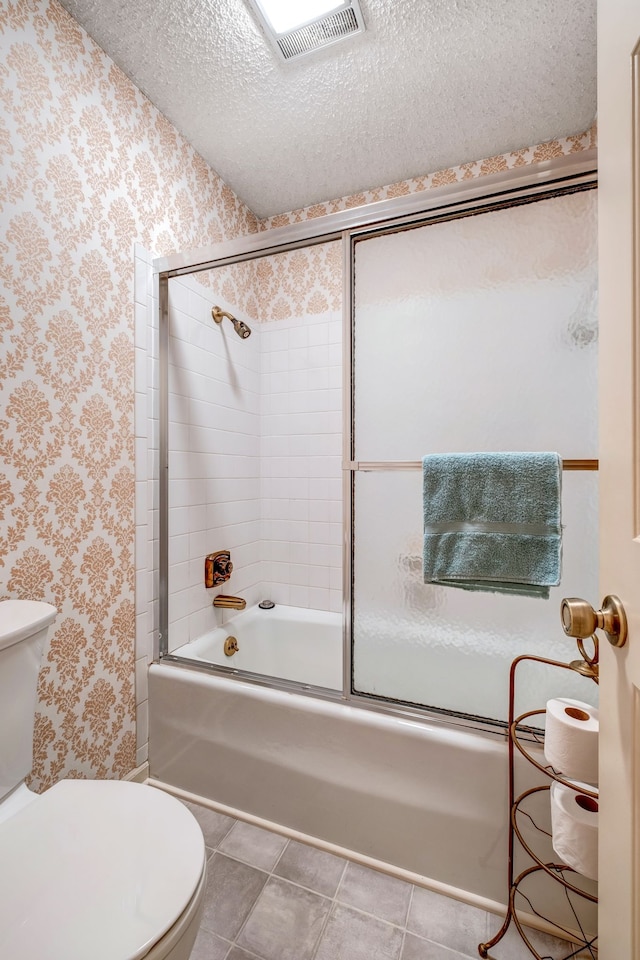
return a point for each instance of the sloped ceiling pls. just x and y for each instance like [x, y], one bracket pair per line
[431, 84]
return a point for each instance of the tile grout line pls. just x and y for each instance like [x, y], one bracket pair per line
[324, 896]
[406, 921]
[334, 900]
[253, 906]
[281, 855]
[234, 945]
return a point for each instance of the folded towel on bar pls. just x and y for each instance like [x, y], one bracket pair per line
[492, 521]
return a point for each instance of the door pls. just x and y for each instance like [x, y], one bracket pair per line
[619, 218]
[427, 378]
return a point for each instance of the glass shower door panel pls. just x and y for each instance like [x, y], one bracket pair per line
[450, 649]
[479, 334]
[475, 334]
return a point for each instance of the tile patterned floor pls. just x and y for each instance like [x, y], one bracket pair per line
[269, 898]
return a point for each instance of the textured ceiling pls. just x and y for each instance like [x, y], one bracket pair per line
[431, 84]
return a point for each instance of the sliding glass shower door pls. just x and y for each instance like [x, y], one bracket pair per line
[476, 333]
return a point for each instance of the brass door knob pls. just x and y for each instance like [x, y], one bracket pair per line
[579, 619]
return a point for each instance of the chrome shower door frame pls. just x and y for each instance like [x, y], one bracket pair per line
[511, 187]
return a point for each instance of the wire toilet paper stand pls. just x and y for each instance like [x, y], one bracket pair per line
[527, 740]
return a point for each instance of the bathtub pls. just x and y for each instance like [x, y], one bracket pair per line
[426, 798]
[422, 799]
[291, 643]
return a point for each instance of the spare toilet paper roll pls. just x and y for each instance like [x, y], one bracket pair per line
[574, 829]
[571, 739]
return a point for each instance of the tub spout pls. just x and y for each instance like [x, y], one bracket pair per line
[230, 603]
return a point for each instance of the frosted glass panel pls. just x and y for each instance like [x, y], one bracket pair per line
[469, 335]
[448, 648]
[479, 334]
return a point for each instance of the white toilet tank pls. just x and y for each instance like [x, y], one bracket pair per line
[23, 629]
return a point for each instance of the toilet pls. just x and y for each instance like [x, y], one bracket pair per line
[89, 870]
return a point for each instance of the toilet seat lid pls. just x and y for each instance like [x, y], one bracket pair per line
[99, 869]
[21, 618]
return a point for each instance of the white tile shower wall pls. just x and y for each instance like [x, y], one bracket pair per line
[300, 457]
[214, 467]
[255, 434]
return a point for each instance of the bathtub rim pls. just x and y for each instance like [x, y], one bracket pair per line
[493, 729]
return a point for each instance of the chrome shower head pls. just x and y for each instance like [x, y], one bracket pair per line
[239, 326]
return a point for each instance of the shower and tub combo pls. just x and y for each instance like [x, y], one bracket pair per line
[363, 709]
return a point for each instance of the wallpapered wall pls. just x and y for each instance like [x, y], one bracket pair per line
[310, 281]
[286, 285]
[549, 150]
[87, 167]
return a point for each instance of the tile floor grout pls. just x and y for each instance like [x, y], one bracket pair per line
[331, 903]
[325, 923]
[335, 898]
[406, 921]
[332, 900]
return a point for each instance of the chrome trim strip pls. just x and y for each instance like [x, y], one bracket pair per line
[330, 227]
[259, 679]
[360, 701]
[347, 453]
[245, 248]
[518, 195]
[163, 464]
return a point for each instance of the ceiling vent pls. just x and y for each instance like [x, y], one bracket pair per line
[345, 20]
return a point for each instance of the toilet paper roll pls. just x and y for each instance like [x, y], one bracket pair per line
[574, 829]
[571, 739]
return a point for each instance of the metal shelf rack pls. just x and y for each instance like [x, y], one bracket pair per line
[575, 886]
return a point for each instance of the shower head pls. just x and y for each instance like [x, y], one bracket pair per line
[241, 329]
[239, 326]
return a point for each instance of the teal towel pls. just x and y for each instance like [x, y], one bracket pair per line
[492, 521]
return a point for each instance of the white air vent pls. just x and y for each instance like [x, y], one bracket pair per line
[336, 25]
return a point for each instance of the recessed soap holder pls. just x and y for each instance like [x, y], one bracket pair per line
[217, 568]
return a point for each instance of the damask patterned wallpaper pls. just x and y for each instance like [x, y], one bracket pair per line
[88, 166]
[549, 150]
[310, 281]
[299, 283]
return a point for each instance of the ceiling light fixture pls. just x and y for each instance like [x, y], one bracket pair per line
[286, 15]
[298, 27]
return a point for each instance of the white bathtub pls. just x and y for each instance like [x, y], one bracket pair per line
[430, 799]
[291, 643]
[423, 799]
